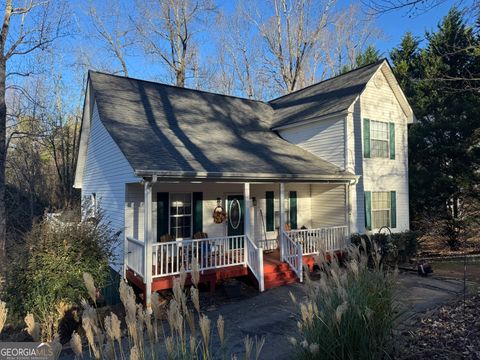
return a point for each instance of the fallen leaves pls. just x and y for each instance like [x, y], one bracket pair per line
[450, 332]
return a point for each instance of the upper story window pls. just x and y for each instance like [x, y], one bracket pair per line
[378, 139]
[181, 215]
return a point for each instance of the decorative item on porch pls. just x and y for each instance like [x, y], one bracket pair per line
[219, 213]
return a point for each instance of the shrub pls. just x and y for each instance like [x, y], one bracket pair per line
[48, 270]
[350, 312]
[394, 248]
[407, 244]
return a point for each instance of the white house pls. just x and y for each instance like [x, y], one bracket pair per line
[187, 174]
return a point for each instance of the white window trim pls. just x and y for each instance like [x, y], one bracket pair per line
[170, 214]
[372, 138]
[94, 204]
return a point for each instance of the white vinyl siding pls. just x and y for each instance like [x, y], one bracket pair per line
[378, 102]
[328, 205]
[106, 172]
[324, 138]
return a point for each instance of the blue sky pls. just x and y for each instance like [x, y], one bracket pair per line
[396, 23]
[393, 24]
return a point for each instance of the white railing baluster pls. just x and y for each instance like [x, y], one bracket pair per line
[169, 257]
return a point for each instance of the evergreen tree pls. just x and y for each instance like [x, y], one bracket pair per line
[443, 146]
[370, 55]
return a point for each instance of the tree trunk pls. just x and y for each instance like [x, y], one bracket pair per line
[3, 155]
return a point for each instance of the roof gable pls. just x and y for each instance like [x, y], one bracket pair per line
[329, 97]
[333, 96]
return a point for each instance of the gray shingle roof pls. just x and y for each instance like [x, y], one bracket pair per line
[169, 130]
[327, 97]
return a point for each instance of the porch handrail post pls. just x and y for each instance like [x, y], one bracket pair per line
[260, 269]
[246, 219]
[147, 241]
[300, 262]
[347, 210]
[282, 218]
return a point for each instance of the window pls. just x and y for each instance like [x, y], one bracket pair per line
[379, 139]
[380, 209]
[181, 215]
[287, 212]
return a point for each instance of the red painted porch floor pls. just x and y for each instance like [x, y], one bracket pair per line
[276, 273]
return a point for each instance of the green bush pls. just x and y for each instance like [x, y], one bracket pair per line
[407, 244]
[394, 248]
[47, 276]
[349, 313]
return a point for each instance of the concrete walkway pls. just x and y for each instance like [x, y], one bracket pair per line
[273, 315]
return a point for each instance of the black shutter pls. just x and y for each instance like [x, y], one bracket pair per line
[197, 212]
[293, 210]
[162, 214]
[270, 211]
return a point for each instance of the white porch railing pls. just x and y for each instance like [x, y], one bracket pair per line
[292, 254]
[211, 253]
[255, 261]
[268, 244]
[134, 255]
[324, 239]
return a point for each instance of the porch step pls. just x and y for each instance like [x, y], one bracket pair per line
[277, 273]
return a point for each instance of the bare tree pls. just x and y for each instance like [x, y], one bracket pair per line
[239, 50]
[291, 34]
[62, 141]
[26, 28]
[352, 30]
[167, 29]
[114, 29]
[413, 7]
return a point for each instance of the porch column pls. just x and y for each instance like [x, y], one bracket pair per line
[347, 209]
[147, 241]
[282, 217]
[246, 218]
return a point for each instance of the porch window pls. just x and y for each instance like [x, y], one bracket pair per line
[181, 215]
[381, 209]
[379, 139]
[277, 212]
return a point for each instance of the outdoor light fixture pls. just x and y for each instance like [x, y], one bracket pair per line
[254, 201]
[219, 201]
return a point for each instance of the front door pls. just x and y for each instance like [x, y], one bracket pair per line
[235, 212]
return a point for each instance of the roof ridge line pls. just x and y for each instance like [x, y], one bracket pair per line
[332, 78]
[179, 87]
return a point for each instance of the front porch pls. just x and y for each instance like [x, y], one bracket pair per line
[162, 227]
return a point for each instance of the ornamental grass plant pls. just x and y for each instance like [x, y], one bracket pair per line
[188, 333]
[350, 312]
